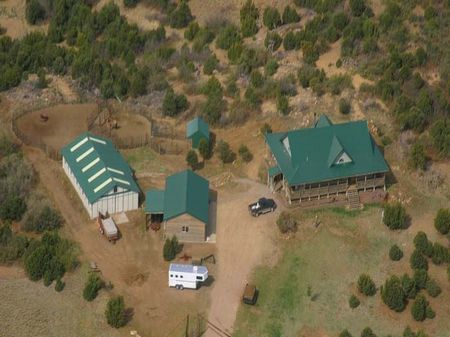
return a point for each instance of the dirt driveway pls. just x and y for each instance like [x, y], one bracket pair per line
[243, 242]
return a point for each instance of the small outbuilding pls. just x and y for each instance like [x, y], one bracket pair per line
[183, 206]
[99, 174]
[196, 130]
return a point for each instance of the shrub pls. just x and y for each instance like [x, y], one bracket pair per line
[228, 37]
[191, 31]
[226, 155]
[181, 16]
[307, 73]
[252, 98]
[212, 88]
[266, 128]
[42, 81]
[291, 41]
[283, 105]
[442, 221]
[366, 285]
[115, 312]
[422, 244]
[344, 106]
[290, 15]
[272, 41]
[421, 56]
[210, 65]
[204, 149]
[235, 52]
[212, 108]
[93, 284]
[417, 158]
[420, 278]
[357, 7]
[409, 286]
[340, 21]
[34, 12]
[256, 79]
[395, 253]
[433, 289]
[394, 216]
[286, 223]
[440, 254]
[59, 285]
[130, 3]
[419, 308]
[174, 104]
[353, 302]
[249, 15]
[271, 17]
[192, 159]
[271, 67]
[245, 153]
[171, 248]
[393, 295]
[345, 333]
[440, 134]
[418, 261]
[367, 332]
[12, 208]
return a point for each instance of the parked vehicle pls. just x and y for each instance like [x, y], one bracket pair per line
[250, 295]
[108, 228]
[262, 206]
[186, 276]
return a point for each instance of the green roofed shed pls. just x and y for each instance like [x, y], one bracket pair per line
[196, 130]
[154, 201]
[186, 192]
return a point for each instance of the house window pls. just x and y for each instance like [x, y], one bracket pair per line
[176, 276]
[181, 276]
[171, 275]
[185, 229]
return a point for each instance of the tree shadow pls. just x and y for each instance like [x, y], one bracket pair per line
[129, 314]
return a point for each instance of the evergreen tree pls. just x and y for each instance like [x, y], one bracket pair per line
[115, 312]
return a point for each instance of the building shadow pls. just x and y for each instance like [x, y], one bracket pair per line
[212, 218]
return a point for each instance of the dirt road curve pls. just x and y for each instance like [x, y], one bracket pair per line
[243, 242]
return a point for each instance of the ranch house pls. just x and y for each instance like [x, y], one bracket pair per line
[103, 180]
[326, 163]
[183, 206]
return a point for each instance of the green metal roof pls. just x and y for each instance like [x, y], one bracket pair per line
[197, 125]
[309, 155]
[323, 121]
[98, 166]
[273, 171]
[186, 192]
[154, 201]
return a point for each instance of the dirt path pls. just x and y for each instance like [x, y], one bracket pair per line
[243, 242]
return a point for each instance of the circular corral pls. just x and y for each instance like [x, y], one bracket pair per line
[55, 126]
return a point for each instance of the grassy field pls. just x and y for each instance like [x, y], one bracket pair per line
[306, 292]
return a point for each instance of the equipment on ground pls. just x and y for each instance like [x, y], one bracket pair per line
[250, 295]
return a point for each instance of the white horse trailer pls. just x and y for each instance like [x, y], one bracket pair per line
[186, 275]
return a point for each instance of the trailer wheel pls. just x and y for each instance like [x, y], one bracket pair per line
[181, 287]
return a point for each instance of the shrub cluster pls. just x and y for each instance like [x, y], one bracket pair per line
[421, 309]
[271, 17]
[226, 155]
[442, 221]
[417, 157]
[181, 16]
[249, 15]
[393, 294]
[286, 223]
[174, 104]
[245, 153]
[394, 216]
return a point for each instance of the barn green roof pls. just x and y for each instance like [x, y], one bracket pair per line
[186, 192]
[97, 166]
[154, 201]
[311, 155]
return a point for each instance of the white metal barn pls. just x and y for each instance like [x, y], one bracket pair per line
[100, 175]
[186, 275]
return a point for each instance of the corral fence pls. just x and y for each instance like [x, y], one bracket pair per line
[49, 150]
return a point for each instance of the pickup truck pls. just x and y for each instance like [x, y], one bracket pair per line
[262, 206]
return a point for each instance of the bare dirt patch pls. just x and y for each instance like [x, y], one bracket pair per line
[65, 122]
[327, 61]
[131, 126]
[243, 242]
